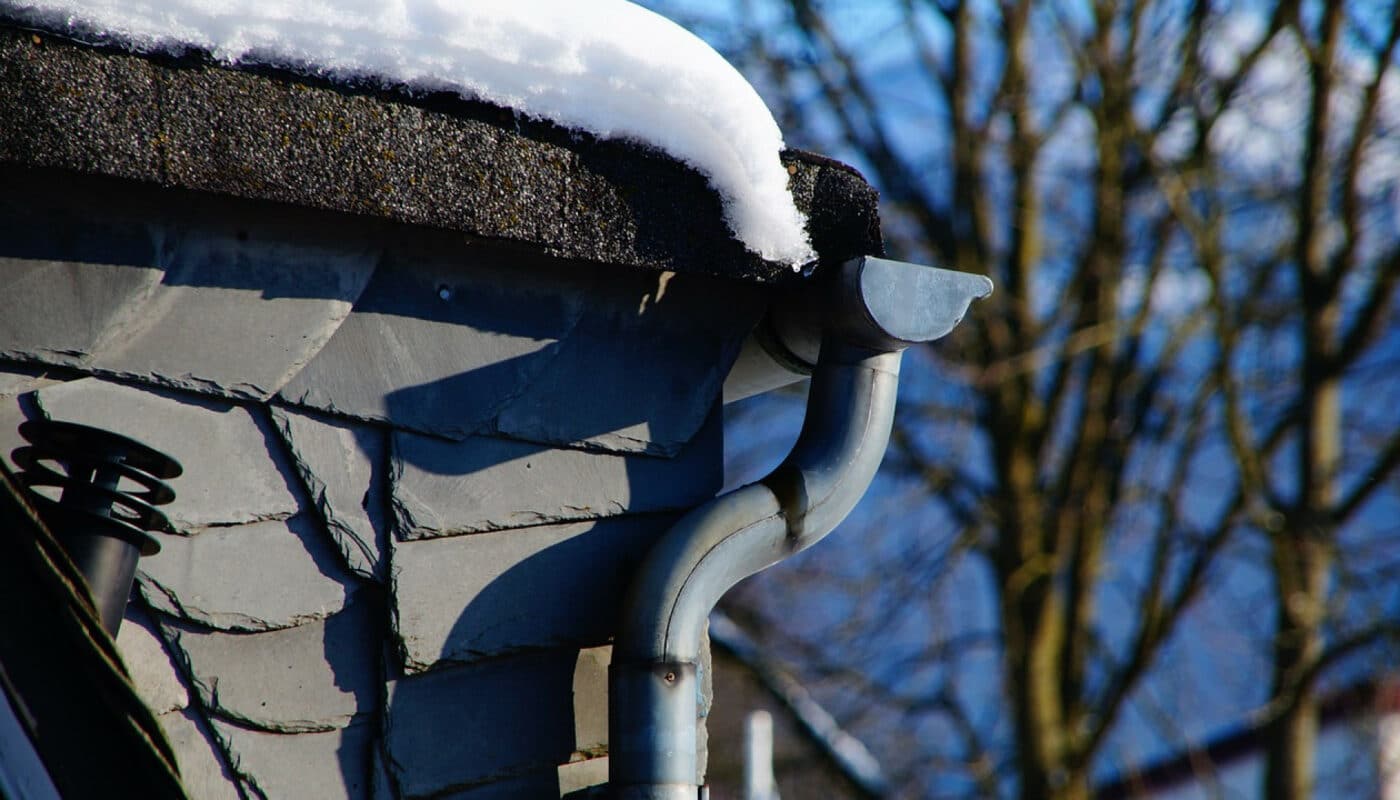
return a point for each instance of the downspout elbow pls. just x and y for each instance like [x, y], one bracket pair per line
[873, 309]
[849, 414]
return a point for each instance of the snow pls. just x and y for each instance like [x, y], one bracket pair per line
[605, 66]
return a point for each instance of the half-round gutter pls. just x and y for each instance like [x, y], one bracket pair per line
[869, 310]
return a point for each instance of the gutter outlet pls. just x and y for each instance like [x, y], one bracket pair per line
[869, 310]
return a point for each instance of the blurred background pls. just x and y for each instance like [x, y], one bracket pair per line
[1138, 530]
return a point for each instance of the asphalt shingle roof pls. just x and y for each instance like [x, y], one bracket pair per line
[435, 160]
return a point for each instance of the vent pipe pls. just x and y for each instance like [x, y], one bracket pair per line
[108, 488]
[869, 310]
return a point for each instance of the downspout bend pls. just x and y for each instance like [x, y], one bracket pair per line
[849, 414]
[871, 310]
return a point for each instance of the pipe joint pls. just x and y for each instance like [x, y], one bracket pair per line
[653, 710]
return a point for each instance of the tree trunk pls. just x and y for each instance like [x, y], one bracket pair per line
[1302, 561]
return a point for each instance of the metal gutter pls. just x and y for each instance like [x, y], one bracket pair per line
[869, 310]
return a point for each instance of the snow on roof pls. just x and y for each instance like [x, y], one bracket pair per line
[607, 67]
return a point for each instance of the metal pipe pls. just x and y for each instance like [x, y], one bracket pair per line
[110, 486]
[872, 309]
[781, 350]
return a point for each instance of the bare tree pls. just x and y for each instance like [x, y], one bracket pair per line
[1324, 287]
[1182, 383]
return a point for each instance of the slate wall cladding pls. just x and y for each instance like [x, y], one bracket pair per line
[452, 729]
[421, 330]
[553, 585]
[154, 270]
[349, 606]
[419, 461]
[343, 468]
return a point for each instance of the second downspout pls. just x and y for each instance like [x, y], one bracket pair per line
[869, 311]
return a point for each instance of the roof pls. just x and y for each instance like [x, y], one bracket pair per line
[847, 754]
[608, 67]
[435, 160]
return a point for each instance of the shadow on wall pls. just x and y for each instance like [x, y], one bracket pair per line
[552, 414]
[545, 542]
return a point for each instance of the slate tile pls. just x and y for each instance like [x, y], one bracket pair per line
[152, 672]
[584, 778]
[231, 475]
[327, 765]
[644, 367]
[61, 312]
[591, 699]
[440, 341]
[13, 411]
[241, 307]
[576, 781]
[341, 466]
[381, 782]
[16, 379]
[454, 728]
[485, 483]
[260, 576]
[67, 277]
[314, 677]
[202, 768]
[467, 597]
[536, 785]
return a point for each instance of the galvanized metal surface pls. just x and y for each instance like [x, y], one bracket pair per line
[892, 304]
[872, 309]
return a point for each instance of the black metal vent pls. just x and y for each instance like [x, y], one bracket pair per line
[108, 488]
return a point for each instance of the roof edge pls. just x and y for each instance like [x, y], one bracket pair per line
[435, 159]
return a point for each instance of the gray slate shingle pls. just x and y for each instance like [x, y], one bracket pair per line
[341, 464]
[460, 727]
[16, 379]
[152, 672]
[240, 308]
[488, 483]
[202, 768]
[468, 597]
[442, 338]
[644, 367]
[231, 474]
[259, 576]
[59, 312]
[313, 677]
[160, 292]
[320, 766]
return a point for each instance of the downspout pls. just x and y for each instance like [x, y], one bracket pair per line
[869, 311]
